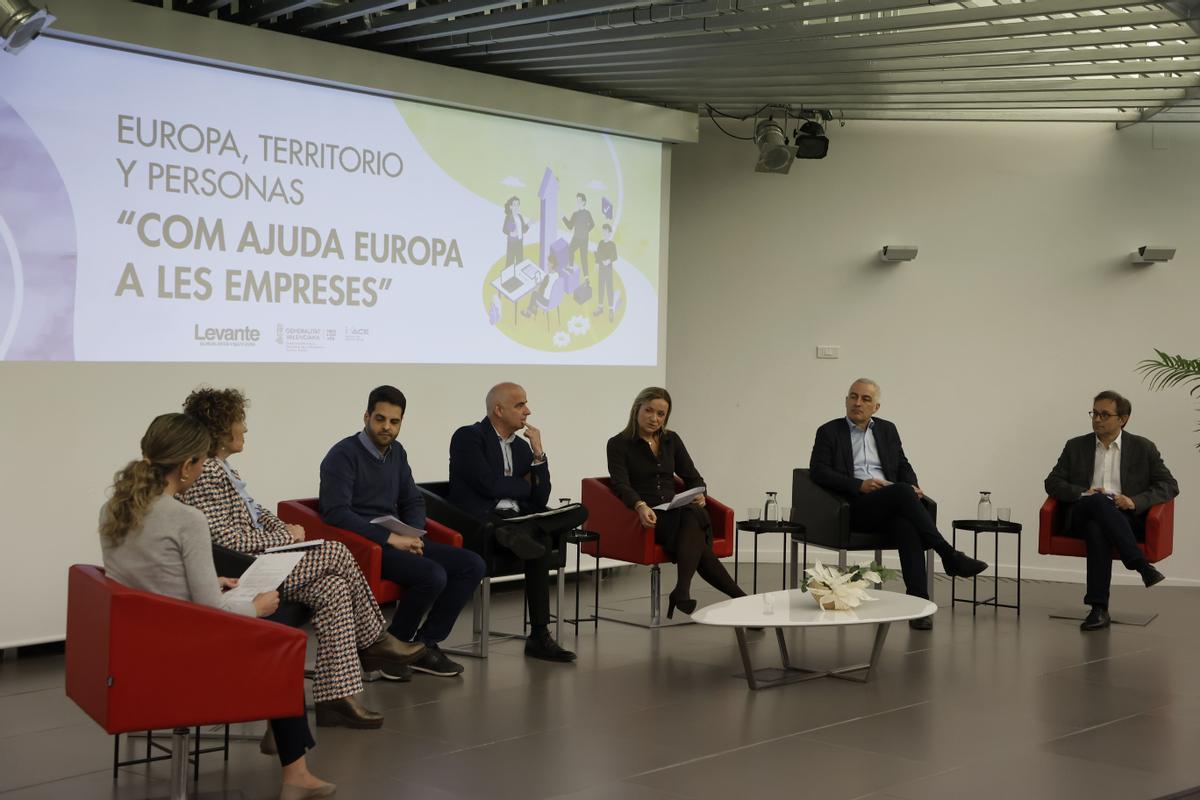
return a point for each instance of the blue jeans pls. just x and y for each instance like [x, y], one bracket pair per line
[437, 586]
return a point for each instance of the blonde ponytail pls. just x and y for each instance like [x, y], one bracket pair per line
[170, 441]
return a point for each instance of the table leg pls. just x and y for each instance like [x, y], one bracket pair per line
[735, 553]
[953, 580]
[1018, 573]
[881, 632]
[784, 583]
[744, 651]
[754, 571]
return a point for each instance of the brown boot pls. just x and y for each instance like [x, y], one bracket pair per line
[347, 712]
[389, 653]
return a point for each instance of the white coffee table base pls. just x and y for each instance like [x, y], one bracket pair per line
[796, 609]
[769, 677]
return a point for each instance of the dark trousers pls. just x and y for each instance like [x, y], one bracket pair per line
[1097, 520]
[896, 512]
[437, 586]
[292, 738]
[579, 246]
[549, 531]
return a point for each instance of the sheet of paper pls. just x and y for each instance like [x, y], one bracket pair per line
[396, 526]
[542, 514]
[681, 499]
[307, 544]
[265, 574]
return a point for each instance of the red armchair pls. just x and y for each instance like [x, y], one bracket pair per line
[622, 537]
[368, 554]
[1052, 541]
[139, 661]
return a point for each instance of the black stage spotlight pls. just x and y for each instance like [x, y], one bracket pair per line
[774, 155]
[811, 141]
[20, 23]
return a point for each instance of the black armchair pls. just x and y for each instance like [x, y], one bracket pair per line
[498, 563]
[826, 519]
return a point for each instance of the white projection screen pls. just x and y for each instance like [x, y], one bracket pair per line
[167, 223]
[251, 219]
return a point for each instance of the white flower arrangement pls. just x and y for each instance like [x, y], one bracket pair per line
[579, 325]
[836, 589]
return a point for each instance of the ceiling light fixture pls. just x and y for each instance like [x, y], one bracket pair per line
[20, 23]
[774, 154]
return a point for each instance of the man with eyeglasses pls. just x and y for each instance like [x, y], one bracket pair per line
[1109, 479]
[860, 457]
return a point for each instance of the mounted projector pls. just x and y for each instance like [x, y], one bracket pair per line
[898, 252]
[774, 155]
[1152, 254]
[20, 23]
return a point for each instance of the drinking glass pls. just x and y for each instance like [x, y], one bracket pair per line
[1003, 514]
[754, 514]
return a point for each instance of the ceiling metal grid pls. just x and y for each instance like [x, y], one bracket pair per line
[1068, 60]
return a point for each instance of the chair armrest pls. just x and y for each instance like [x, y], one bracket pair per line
[825, 515]
[172, 663]
[368, 554]
[437, 532]
[1160, 531]
[1048, 517]
[722, 519]
[622, 534]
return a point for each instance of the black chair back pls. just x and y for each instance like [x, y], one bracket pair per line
[826, 517]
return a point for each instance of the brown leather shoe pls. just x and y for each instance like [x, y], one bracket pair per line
[390, 652]
[347, 712]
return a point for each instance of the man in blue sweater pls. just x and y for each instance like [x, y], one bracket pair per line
[366, 476]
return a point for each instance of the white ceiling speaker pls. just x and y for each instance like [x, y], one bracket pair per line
[898, 252]
[1152, 254]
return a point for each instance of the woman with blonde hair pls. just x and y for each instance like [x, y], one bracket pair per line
[347, 620]
[643, 461]
[154, 543]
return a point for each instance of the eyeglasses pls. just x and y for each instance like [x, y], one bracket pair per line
[1103, 416]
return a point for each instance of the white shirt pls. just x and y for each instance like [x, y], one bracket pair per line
[866, 455]
[506, 504]
[1107, 471]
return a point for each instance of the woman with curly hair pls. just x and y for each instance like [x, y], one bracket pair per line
[347, 620]
[154, 543]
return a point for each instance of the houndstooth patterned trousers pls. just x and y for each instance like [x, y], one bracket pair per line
[346, 617]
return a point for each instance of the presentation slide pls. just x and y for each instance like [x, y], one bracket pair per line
[153, 210]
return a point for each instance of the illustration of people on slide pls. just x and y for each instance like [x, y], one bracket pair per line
[519, 286]
[580, 224]
[606, 256]
[514, 229]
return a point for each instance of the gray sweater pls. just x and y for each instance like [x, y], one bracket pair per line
[171, 554]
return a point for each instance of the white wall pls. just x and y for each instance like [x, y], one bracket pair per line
[989, 347]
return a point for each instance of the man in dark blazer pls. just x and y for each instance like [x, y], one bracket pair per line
[1109, 479]
[496, 475]
[860, 457]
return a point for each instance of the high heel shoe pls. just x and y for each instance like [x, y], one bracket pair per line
[290, 792]
[687, 605]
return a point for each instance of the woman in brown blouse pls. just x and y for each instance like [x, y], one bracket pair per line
[643, 461]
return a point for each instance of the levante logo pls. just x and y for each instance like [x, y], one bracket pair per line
[246, 336]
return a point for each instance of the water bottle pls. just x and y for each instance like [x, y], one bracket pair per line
[984, 512]
[771, 508]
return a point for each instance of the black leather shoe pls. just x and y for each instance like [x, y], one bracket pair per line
[346, 712]
[521, 543]
[921, 624]
[544, 647]
[1097, 619]
[1151, 576]
[960, 565]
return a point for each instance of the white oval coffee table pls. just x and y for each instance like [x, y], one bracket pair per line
[797, 609]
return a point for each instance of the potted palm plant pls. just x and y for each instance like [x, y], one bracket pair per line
[1167, 371]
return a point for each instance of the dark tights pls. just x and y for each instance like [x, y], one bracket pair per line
[694, 554]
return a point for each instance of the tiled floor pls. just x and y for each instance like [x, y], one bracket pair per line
[990, 706]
